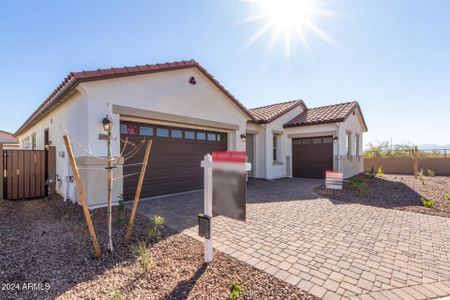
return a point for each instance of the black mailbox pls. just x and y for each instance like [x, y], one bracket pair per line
[204, 226]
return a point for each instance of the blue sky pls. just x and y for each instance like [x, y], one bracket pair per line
[391, 56]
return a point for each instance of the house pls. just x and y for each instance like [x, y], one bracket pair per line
[8, 140]
[187, 113]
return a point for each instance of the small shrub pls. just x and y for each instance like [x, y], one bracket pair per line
[380, 172]
[428, 203]
[120, 215]
[145, 260]
[117, 295]
[361, 185]
[371, 174]
[421, 178]
[154, 228]
[447, 196]
[236, 291]
[430, 173]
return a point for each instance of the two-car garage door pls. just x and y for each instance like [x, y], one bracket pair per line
[174, 164]
[312, 156]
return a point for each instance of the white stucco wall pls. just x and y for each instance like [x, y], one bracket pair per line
[278, 169]
[352, 125]
[69, 117]
[258, 167]
[166, 92]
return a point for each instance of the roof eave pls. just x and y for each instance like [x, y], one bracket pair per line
[314, 123]
[74, 78]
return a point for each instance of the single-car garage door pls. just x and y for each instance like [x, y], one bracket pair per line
[174, 164]
[312, 156]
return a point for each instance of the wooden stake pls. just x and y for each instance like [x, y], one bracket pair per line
[80, 190]
[138, 191]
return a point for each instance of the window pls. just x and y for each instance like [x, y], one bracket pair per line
[211, 136]
[176, 133]
[33, 141]
[128, 129]
[219, 137]
[189, 135]
[26, 143]
[357, 145]
[123, 129]
[46, 138]
[348, 145]
[201, 136]
[276, 147]
[317, 140]
[164, 132]
[306, 141]
[146, 130]
[327, 140]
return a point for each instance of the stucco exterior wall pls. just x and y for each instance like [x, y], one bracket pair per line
[69, 117]
[82, 112]
[277, 169]
[258, 131]
[354, 164]
[165, 92]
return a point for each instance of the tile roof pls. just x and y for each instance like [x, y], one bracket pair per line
[7, 138]
[74, 78]
[268, 113]
[325, 114]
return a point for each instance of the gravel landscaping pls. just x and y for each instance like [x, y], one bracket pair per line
[402, 192]
[46, 241]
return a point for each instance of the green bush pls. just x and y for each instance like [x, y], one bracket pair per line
[154, 228]
[430, 173]
[447, 196]
[361, 185]
[428, 203]
[236, 291]
[140, 251]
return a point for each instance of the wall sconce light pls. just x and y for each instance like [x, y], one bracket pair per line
[192, 80]
[335, 139]
[243, 137]
[107, 124]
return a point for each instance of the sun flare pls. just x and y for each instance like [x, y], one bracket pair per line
[287, 21]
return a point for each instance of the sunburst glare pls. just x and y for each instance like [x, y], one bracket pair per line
[287, 22]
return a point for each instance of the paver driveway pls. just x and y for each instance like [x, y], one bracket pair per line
[330, 249]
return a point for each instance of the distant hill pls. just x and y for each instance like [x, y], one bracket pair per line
[433, 147]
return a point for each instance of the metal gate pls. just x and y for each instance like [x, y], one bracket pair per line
[25, 174]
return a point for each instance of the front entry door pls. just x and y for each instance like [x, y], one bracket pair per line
[249, 148]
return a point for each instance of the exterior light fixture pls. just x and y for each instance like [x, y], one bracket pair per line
[192, 80]
[335, 139]
[243, 136]
[107, 124]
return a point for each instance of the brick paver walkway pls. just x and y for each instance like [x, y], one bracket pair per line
[332, 250]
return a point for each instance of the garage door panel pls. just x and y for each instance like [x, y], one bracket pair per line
[174, 164]
[311, 159]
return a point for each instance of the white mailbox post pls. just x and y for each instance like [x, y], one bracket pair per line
[226, 161]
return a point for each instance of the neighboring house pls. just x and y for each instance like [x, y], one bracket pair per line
[187, 113]
[8, 140]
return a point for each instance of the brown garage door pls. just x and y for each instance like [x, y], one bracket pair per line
[174, 164]
[311, 157]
